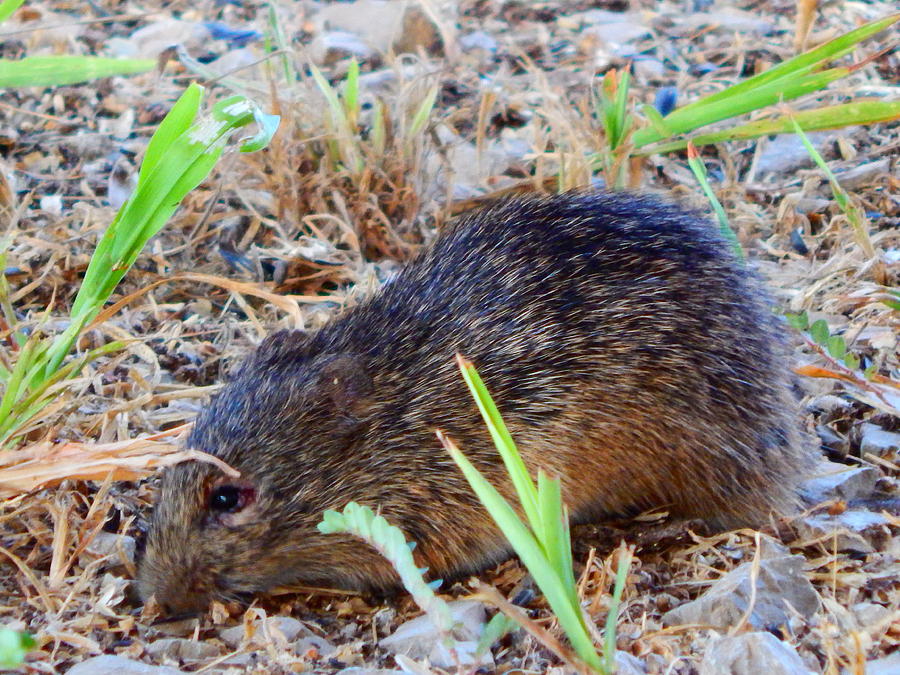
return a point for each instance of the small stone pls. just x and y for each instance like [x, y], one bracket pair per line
[864, 174]
[180, 649]
[877, 441]
[889, 665]
[854, 531]
[335, 45]
[109, 664]
[314, 642]
[108, 543]
[399, 25]
[871, 614]
[419, 638]
[752, 654]
[628, 664]
[285, 627]
[478, 40]
[786, 152]
[780, 583]
[368, 671]
[729, 19]
[831, 480]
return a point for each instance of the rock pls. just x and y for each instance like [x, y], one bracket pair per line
[419, 638]
[109, 664]
[875, 440]
[728, 18]
[108, 543]
[855, 531]
[313, 644]
[368, 671]
[180, 649]
[627, 664]
[838, 481]
[332, 46]
[864, 174]
[889, 665]
[382, 24]
[786, 152]
[780, 583]
[279, 627]
[752, 654]
[478, 40]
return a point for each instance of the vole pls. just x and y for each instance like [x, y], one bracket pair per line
[628, 349]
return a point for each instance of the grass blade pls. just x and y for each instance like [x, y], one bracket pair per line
[50, 71]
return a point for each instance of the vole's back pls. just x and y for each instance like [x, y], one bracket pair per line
[626, 346]
[628, 350]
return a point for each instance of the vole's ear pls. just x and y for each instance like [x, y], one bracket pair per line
[343, 378]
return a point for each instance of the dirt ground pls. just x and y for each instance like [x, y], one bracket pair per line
[514, 107]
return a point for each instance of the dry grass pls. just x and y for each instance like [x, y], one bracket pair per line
[289, 222]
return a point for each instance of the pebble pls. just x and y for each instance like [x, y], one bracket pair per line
[728, 18]
[877, 441]
[109, 664]
[181, 649]
[853, 531]
[419, 638]
[752, 654]
[889, 665]
[478, 40]
[786, 152]
[780, 583]
[832, 480]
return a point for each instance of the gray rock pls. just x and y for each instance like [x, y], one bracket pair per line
[331, 46]
[752, 654]
[287, 626]
[478, 40]
[729, 19]
[627, 664]
[786, 152]
[311, 641]
[119, 665]
[420, 639]
[368, 671]
[889, 665]
[382, 25]
[831, 480]
[181, 649]
[780, 583]
[108, 543]
[854, 531]
[864, 174]
[875, 440]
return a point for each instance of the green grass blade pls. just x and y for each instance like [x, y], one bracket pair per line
[532, 556]
[685, 120]
[555, 540]
[805, 62]
[423, 113]
[612, 617]
[14, 645]
[178, 119]
[699, 170]
[351, 94]
[7, 7]
[831, 117]
[503, 440]
[49, 71]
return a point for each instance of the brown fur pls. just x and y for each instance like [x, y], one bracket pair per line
[627, 349]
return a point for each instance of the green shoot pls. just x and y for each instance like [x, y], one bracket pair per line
[7, 7]
[612, 110]
[389, 541]
[180, 155]
[49, 71]
[699, 170]
[14, 645]
[855, 215]
[786, 81]
[544, 544]
[819, 334]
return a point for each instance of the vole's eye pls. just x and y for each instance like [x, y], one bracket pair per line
[225, 498]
